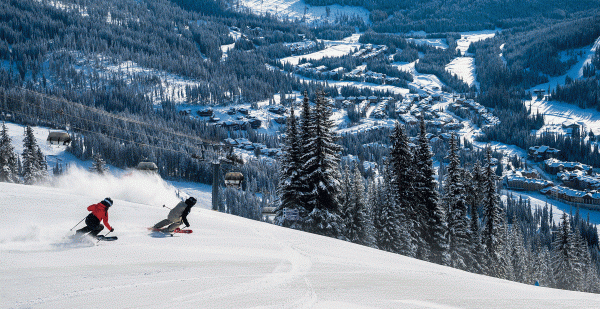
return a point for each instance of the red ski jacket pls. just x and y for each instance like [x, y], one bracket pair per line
[99, 210]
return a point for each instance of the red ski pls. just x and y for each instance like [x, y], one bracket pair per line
[178, 230]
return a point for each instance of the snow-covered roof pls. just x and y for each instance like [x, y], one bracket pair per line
[568, 165]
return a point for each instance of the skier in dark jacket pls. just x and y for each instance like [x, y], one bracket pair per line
[99, 212]
[177, 216]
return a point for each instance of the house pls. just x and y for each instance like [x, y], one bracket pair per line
[571, 128]
[373, 99]
[554, 166]
[541, 153]
[255, 123]
[279, 110]
[579, 180]
[207, 112]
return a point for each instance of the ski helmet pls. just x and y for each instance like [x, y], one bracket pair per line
[107, 201]
[191, 201]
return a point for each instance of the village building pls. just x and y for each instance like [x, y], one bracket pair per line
[518, 182]
[577, 198]
[579, 180]
[541, 153]
[554, 166]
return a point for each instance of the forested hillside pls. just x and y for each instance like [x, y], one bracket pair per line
[465, 15]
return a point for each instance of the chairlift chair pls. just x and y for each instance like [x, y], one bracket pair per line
[147, 166]
[234, 179]
[59, 138]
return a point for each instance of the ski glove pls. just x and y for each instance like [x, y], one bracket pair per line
[187, 225]
[112, 230]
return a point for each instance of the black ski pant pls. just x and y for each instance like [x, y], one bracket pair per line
[93, 226]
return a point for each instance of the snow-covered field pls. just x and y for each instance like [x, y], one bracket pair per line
[228, 262]
[556, 113]
[297, 9]
[333, 49]
[464, 68]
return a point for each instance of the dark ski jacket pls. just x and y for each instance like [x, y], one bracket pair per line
[180, 213]
[101, 212]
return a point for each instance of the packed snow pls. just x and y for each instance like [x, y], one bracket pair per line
[227, 262]
[464, 68]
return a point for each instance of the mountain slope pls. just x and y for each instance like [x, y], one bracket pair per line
[228, 262]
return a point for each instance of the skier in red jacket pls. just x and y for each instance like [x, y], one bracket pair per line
[92, 221]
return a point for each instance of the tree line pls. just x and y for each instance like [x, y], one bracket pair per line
[458, 220]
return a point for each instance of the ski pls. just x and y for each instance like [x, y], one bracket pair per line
[106, 238]
[178, 230]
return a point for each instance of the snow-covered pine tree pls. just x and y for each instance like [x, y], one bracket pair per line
[493, 218]
[290, 187]
[345, 198]
[42, 164]
[98, 164]
[320, 173]
[9, 170]
[435, 226]
[541, 271]
[588, 272]
[564, 257]
[389, 228]
[454, 201]
[31, 163]
[476, 259]
[359, 226]
[519, 255]
[402, 187]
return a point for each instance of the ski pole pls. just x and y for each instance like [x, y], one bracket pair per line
[166, 207]
[78, 223]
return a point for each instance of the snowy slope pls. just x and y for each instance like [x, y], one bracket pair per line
[297, 9]
[228, 262]
[576, 71]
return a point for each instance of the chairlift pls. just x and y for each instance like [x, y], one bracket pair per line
[147, 167]
[59, 138]
[234, 179]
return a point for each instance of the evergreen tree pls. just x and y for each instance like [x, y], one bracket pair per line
[564, 257]
[98, 165]
[435, 226]
[519, 255]
[358, 221]
[389, 228]
[9, 170]
[476, 259]
[321, 174]
[493, 227]
[402, 187]
[454, 201]
[42, 164]
[345, 198]
[290, 187]
[32, 167]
